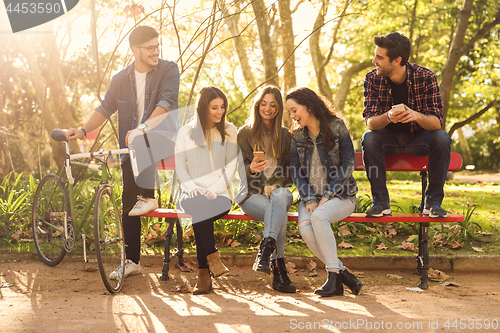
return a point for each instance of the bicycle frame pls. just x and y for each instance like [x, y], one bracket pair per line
[104, 179]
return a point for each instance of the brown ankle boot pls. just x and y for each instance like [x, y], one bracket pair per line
[216, 266]
[204, 284]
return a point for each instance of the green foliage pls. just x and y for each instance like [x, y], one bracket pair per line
[15, 201]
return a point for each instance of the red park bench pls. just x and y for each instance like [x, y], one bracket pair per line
[401, 162]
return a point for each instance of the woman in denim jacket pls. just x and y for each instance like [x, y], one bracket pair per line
[322, 159]
[268, 198]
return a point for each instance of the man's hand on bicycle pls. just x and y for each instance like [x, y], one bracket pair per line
[73, 133]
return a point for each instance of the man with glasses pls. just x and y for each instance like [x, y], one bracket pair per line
[146, 89]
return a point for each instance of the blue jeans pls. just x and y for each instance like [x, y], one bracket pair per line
[316, 231]
[273, 212]
[378, 144]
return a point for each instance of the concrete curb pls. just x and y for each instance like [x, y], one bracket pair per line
[462, 264]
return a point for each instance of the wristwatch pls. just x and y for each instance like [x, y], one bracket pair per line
[144, 128]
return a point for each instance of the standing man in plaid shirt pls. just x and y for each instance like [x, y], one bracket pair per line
[413, 127]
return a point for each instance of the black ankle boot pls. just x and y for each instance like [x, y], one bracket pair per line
[281, 282]
[332, 286]
[267, 247]
[351, 281]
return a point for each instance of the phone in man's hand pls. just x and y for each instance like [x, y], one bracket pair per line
[398, 108]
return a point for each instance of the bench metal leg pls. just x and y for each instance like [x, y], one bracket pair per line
[423, 254]
[177, 253]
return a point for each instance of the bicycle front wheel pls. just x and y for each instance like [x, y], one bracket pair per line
[51, 206]
[108, 239]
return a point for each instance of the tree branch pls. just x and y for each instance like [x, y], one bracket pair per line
[473, 117]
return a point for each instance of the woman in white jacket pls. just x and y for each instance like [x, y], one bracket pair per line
[205, 162]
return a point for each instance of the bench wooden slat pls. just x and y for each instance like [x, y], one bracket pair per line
[293, 216]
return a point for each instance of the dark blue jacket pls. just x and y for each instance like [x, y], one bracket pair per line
[338, 163]
[162, 89]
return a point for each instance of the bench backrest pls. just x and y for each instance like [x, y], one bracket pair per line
[400, 162]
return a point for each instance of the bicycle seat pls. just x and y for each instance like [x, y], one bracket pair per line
[58, 135]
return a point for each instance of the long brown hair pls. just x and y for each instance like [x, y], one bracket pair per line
[256, 123]
[317, 106]
[206, 95]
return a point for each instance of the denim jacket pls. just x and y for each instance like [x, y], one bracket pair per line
[162, 89]
[338, 163]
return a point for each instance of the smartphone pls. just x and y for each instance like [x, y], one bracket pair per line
[398, 108]
[259, 155]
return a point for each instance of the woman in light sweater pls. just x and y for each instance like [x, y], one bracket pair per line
[268, 198]
[205, 162]
[322, 159]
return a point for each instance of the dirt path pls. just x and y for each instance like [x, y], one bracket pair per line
[37, 298]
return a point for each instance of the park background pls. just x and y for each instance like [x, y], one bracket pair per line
[54, 75]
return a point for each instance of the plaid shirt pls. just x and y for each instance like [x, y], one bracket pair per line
[423, 94]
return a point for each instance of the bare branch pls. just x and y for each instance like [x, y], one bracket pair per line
[473, 117]
[297, 6]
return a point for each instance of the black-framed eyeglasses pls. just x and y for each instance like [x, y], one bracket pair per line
[151, 49]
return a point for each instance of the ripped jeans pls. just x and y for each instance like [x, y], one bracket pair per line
[317, 232]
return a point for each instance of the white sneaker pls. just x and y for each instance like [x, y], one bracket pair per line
[131, 268]
[143, 206]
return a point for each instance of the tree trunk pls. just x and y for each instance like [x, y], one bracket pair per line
[344, 86]
[456, 52]
[287, 39]
[239, 45]
[268, 54]
[317, 58]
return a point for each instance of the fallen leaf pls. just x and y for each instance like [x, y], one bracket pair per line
[312, 273]
[189, 266]
[394, 276]
[361, 236]
[417, 289]
[437, 275]
[391, 232]
[345, 230]
[185, 288]
[411, 238]
[344, 245]
[381, 246]
[456, 245]
[189, 233]
[407, 246]
[486, 233]
[290, 267]
[235, 244]
[311, 265]
[451, 284]
[371, 229]
[477, 249]
[91, 269]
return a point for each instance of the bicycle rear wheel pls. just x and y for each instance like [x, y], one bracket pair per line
[51, 206]
[108, 239]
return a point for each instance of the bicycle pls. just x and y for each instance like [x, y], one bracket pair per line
[54, 207]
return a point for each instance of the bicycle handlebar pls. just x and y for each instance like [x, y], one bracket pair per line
[59, 135]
